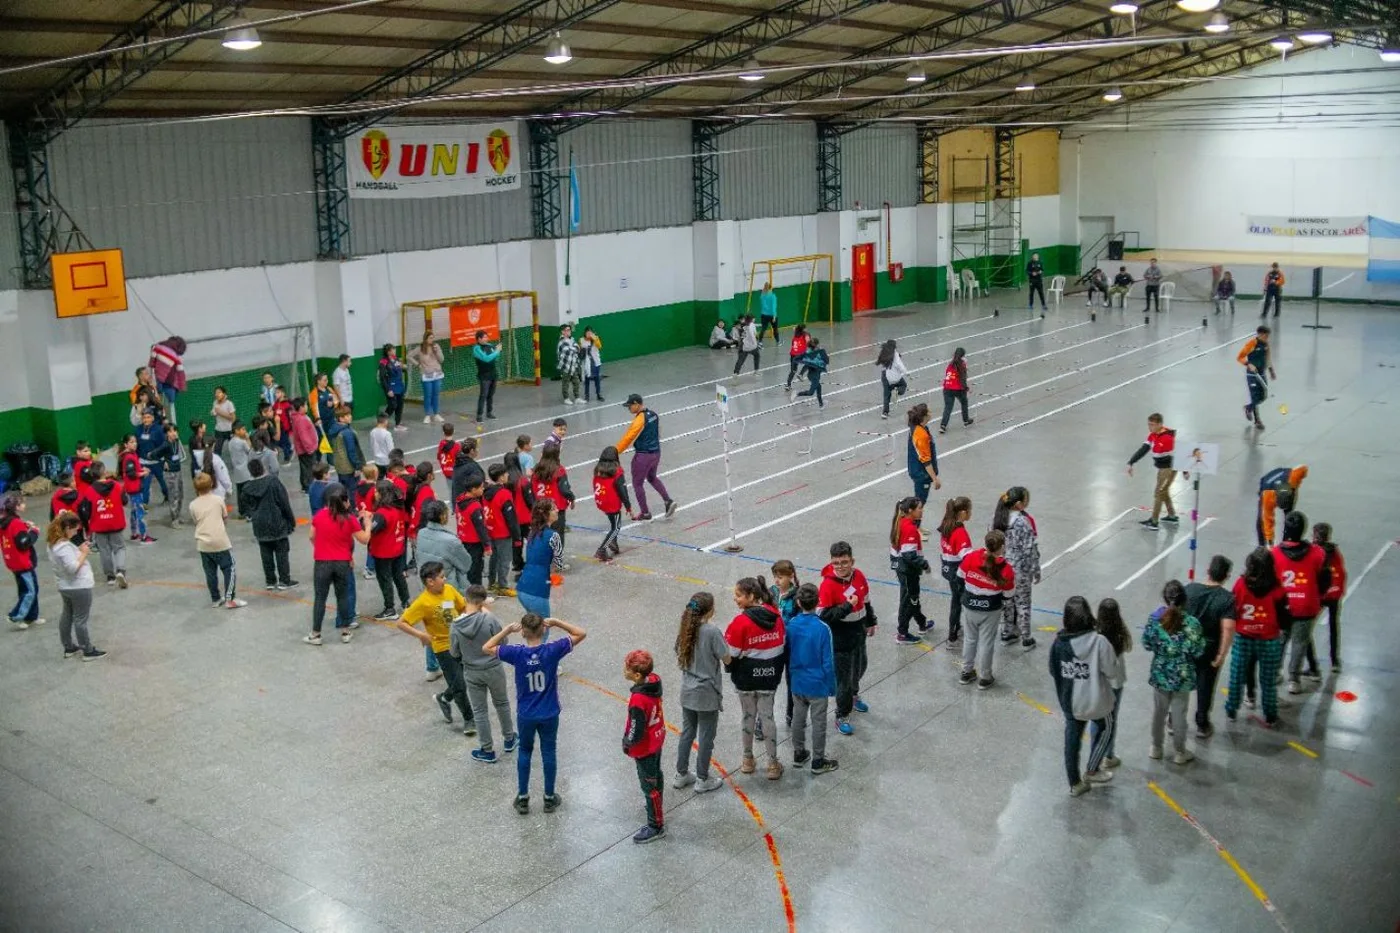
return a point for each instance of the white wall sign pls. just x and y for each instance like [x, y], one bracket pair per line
[1263, 225]
[414, 161]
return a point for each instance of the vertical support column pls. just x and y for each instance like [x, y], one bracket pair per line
[332, 192]
[828, 167]
[704, 171]
[29, 168]
[928, 165]
[545, 212]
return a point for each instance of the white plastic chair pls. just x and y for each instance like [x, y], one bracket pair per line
[970, 283]
[1168, 290]
[1125, 297]
[1057, 288]
[954, 286]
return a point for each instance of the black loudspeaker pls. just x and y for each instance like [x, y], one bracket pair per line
[1115, 250]
[1317, 282]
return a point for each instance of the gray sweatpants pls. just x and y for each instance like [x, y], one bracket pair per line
[73, 624]
[800, 707]
[111, 547]
[760, 703]
[1299, 641]
[697, 727]
[175, 495]
[979, 639]
[481, 681]
[1171, 703]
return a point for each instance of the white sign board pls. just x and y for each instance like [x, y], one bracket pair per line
[1310, 227]
[429, 161]
[1192, 457]
[722, 399]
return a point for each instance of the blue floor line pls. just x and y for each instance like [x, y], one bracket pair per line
[765, 560]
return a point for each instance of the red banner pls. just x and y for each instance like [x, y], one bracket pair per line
[466, 320]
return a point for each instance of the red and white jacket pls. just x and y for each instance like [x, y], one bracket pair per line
[982, 591]
[645, 733]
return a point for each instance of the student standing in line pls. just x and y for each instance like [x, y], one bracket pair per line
[536, 664]
[1214, 607]
[1152, 286]
[388, 544]
[767, 313]
[224, 414]
[644, 737]
[1081, 661]
[551, 481]
[427, 356]
[435, 609]
[1035, 282]
[544, 554]
[590, 348]
[1110, 625]
[273, 524]
[812, 677]
[701, 653]
[610, 496]
[955, 389]
[797, 349]
[519, 481]
[1261, 612]
[643, 435]
[1161, 441]
[107, 522]
[473, 527]
[921, 453]
[173, 463]
[208, 511]
[381, 443]
[843, 602]
[1302, 569]
[486, 355]
[1273, 290]
[392, 382]
[483, 675]
[65, 497]
[1257, 358]
[344, 386]
[17, 539]
[1023, 552]
[1174, 637]
[74, 574]
[1336, 592]
[954, 546]
[908, 562]
[1225, 292]
[304, 442]
[504, 526]
[238, 450]
[466, 470]
[334, 531]
[893, 375]
[439, 543]
[346, 454]
[418, 494]
[568, 364]
[986, 578]
[133, 476]
[783, 594]
[756, 639]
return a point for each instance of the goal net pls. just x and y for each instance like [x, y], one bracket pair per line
[237, 361]
[806, 287]
[511, 318]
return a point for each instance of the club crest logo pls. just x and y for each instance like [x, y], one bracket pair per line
[374, 149]
[498, 150]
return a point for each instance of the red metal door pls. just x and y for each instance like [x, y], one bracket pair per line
[863, 278]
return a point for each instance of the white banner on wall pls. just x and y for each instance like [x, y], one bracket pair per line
[425, 161]
[1306, 226]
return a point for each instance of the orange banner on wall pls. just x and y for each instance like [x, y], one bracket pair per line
[465, 320]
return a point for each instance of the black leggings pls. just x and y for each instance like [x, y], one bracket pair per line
[389, 571]
[909, 609]
[890, 389]
[766, 322]
[393, 407]
[328, 575]
[486, 399]
[1037, 287]
[950, 397]
[793, 363]
[1334, 634]
[956, 587]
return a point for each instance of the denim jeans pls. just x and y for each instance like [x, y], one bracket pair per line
[138, 508]
[430, 660]
[27, 607]
[595, 377]
[486, 399]
[548, 731]
[432, 391]
[539, 605]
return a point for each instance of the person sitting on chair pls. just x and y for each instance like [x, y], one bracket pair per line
[1121, 283]
[1098, 282]
[1225, 291]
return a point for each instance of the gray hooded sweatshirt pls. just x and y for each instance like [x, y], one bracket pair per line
[469, 634]
[1081, 665]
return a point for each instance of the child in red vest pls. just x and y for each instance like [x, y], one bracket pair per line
[644, 737]
[17, 538]
[106, 501]
[503, 524]
[473, 528]
[388, 541]
[133, 476]
[610, 496]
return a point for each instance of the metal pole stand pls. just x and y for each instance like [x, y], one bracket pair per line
[733, 547]
[1317, 316]
[1195, 525]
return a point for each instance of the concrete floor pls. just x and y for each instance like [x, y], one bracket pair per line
[216, 774]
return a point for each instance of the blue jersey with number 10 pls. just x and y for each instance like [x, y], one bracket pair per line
[536, 676]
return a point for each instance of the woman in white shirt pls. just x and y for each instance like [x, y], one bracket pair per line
[893, 374]
[222, 483]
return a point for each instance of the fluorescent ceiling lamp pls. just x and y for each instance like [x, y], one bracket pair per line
[751, 70]
[242, 37]
[1391, 53]
[1198, 6]
[1282, 43]
[1113, 95]
[1314, 36]
[916, 75]
[1123, 8]
[1025, 84]
[1218, 23]
[557, 52]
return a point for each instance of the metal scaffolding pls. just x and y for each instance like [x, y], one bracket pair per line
[828, 167]
[928, 165]
[1004, 235]
[546, 212]
[986, 207]
[704, 169]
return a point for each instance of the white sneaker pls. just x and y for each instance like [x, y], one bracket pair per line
[39, 621]
[345, 636]
[713, 782]
[1099, 777]
[439, 419]
[1111, 763]
[1184, 758]
[19, 625]
[431, 676]
[1080, 789]
[568, 401]
[313, 639]
[1295, 687]
[682, 780]
[427, 419]
[217, 604]
[1155, 753]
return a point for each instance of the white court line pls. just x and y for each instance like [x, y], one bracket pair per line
[1369, 567]
[1085, 540]
[870, 484]
[1159, 558]
[855, 414]
[709, 382]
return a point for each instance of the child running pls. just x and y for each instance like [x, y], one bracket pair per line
[1175, 640]
[610, 496]
[701, 653]
[482, 673]
[756, 639]
[1023, 553]
[893, 375]
[536, 664]
[954, 544]
[955, 387]
[1081, 662]
[816, 361]
[812, 678]
[908, 562]
[797, 349]
[1257, 358]
[987, 578]
[644, 737]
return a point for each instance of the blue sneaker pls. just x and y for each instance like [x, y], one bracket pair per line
[483, 756]
[860, 706]
[648, 834]
[844, 727]
[909, 639]
[509, 745]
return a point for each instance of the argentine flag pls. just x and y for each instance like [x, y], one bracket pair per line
[1383, 261]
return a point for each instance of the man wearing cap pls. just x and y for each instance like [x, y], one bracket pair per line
[645, 434]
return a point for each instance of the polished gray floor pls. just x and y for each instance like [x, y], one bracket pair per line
[215, 773]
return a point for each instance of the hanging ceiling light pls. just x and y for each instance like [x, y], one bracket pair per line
[1025, 84]
[752, 70]
[557, 52]
[1113, 95]
[916, 75]
[1314, 36]
[241, 37]
[1123, 8]
[1282, 43]
[1198, 6]
[1218, 23]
